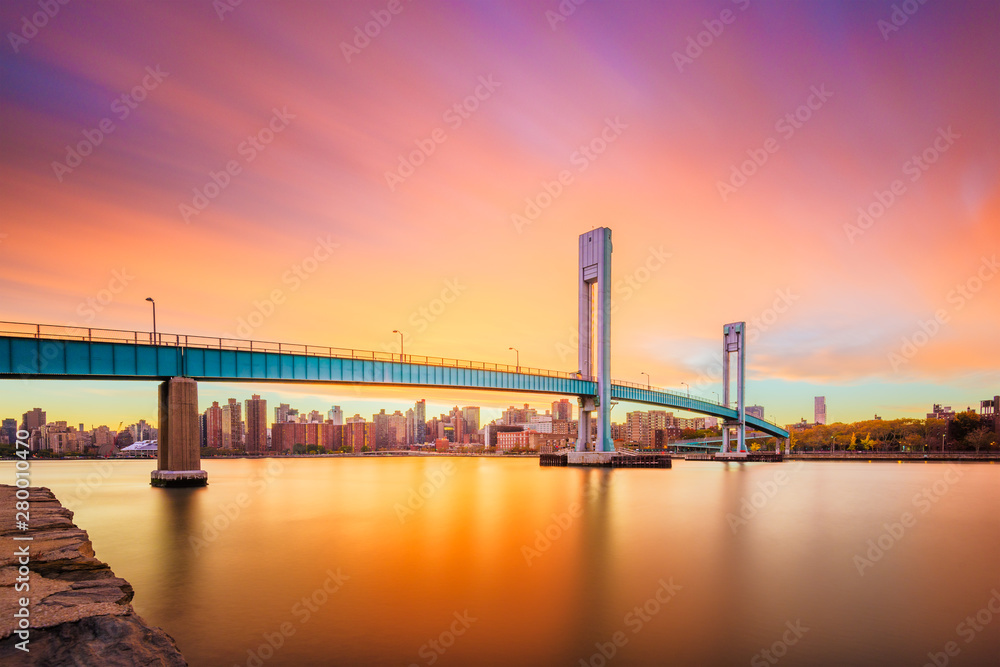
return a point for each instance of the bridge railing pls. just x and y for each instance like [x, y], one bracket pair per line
[661, 390]
[97, 335]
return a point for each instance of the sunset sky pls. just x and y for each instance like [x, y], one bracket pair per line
[234, 154]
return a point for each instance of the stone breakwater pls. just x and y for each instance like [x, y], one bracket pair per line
[80, 612]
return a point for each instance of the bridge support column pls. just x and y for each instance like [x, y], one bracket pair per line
[733, 340]
[595, 334]
[179, 442]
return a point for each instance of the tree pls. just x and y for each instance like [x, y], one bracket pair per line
[981, 438]
[962, 425]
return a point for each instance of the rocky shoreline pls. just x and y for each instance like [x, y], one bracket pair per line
[80, 612]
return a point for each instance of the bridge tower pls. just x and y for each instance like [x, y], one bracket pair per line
[734, 340]
[595, 336]
[179, 439]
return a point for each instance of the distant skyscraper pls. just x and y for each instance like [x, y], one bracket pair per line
[756, 410]
[281, 413]
[821, 409]
[562, 410]
[336, 415]
[213, 426]
[8, 432]
[470, 414]
[637, 427]
[420, 417]
[380, 430]
[33, 420]
[256, 424]
[232, 425]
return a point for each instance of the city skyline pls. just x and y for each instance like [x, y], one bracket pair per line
[249, 205]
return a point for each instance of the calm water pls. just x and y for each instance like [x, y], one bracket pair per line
[653, 567]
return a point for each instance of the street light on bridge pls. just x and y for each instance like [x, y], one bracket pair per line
[397, 331]
[153, 338]
[647, 378]
[689, 388]
[517, 357]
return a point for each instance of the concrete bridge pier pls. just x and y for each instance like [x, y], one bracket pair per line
[179, 445]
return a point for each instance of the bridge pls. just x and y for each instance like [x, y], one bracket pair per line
[180, 361]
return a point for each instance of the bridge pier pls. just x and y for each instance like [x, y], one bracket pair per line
[595, 335]
[733, 341]
[179, 442]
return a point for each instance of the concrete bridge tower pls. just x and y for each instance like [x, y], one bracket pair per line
[595, 336]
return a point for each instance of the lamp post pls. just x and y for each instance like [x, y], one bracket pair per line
[517, 354]
[150, 299]
[943, 435]
[689, 388]
[647, 378]
[397, 331]
[717, 399]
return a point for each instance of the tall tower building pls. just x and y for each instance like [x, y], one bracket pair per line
[232, 425]
[213, 426]
[380, 430]
[281, 413]
[420, 416]
[637, 427]
[821, 409]
[758, 411]
[32, 420]
[336, 415]
[562, 410]
[470, 414]
[256, 424]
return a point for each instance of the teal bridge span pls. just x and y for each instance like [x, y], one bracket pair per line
[40, 351]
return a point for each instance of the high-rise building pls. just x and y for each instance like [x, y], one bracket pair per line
[380, 430]
[232, 425]
[637, 427]
[397, 429]
[470, 414]
[336, 415]
[8, 432]
[256, 424]
[562, 410]
[757, 411]
[32, 420]
[821, 409]
[512, 415]
[213, 426]
[938, 412]
[411, 427]
[420, 417]
[281, 413]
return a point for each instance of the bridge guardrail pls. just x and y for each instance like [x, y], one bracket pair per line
[97, 335]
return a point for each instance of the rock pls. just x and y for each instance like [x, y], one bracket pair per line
[80, 612]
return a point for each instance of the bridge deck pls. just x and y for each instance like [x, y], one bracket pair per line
[36, 351]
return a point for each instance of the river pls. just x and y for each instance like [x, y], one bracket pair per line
[493, 561]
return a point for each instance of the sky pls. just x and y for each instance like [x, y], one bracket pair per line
[325, 173]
